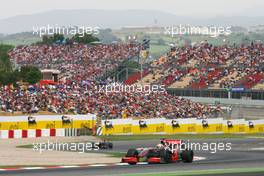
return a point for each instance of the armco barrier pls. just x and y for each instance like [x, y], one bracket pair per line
[173, 126]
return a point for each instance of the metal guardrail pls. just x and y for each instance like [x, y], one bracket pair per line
[217, 93]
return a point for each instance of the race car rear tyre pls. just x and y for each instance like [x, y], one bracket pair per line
[132, 153]
[110, 145]
[100, 145]
[165, 156]
[187, 156]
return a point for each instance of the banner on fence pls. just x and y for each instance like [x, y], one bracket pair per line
[234, 126]
[254, 126]
[116, 126]
[173, 126]
[47, 122]
[209, 125]
[180, 126]
[148, 126]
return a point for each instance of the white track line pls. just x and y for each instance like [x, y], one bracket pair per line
[69, 166]
[142, 163]
[121, 164]
[196, 158]
[260, 148]
[99, 165]
[32, 168]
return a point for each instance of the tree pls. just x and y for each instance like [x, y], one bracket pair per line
[33, 76]
[55, 38]
[7, 78]
[30, 74]
[245, 40]
[106, 36]
[5, 64]
[85, 38]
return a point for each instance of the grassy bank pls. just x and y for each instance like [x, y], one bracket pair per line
[176, 136]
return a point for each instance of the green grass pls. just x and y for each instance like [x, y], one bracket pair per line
[110, 154]
[116, 154]
[204, 172]
[176, 136]
[28, 146]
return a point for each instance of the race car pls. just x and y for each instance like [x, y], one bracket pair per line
[168, 151]
[105, 145]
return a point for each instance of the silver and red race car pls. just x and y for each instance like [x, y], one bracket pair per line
[168, 151]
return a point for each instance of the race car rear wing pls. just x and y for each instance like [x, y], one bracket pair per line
[171, 141]
[172, 144]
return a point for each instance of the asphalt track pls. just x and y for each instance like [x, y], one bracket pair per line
[245, 153]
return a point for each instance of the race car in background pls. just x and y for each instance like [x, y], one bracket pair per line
[168, 151]
[105, 145]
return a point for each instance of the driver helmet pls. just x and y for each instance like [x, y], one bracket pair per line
[159, 146]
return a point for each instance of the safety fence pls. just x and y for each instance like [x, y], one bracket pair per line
[173, 126]
[218, 93]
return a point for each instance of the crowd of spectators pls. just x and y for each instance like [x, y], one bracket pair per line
[78, 93]
[212, 63]
[83, 97]
[89, 62]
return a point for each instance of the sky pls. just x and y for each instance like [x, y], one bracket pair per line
[190, 8]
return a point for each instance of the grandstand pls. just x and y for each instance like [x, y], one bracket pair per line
[211, 68]
[191, 69]
[77, 93]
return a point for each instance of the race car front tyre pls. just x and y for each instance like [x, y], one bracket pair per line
[187, 156]
[132, 153]
[153, 153]
[165, 156]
